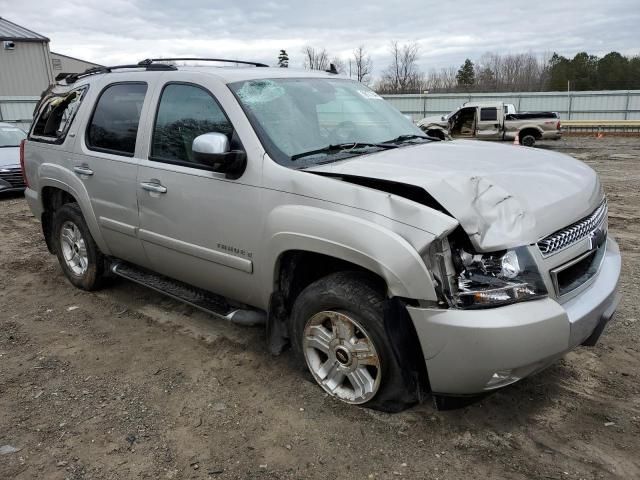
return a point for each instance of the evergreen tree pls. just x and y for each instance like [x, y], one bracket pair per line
[559, 72]
[583, 72]
[466, 76]
[283, 59]
[613, 71]
[634, 73]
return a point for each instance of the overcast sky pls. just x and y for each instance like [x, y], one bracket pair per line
[124, 31]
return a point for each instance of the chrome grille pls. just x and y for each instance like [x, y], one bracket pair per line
[574, 232]
[13, 175]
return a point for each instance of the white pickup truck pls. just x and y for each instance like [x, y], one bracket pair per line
[494, 121]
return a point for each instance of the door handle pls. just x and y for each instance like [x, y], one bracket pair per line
[153, 187]
[83, 170]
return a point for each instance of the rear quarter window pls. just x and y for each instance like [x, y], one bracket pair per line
[55, 116]
[488, 114]
[114, 124]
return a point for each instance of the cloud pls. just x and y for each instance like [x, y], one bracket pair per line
[125, 31]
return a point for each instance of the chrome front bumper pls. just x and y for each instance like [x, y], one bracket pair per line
[474, 351]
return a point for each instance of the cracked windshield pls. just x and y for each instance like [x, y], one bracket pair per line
[315, 120]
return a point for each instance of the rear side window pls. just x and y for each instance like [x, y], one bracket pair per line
[114, 124]
[56, 115]
[488, 114]
[185, 112]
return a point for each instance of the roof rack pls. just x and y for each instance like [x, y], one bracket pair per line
[150, 61]
[74, 77]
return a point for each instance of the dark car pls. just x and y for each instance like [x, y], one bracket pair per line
[10, 172]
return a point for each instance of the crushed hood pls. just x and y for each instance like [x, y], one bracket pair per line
[502, 195]
[433, 120]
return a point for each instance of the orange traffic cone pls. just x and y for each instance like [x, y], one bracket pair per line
[516, 139]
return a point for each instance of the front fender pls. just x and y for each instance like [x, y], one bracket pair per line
[358, 241]
[432, 126]
[52, 175]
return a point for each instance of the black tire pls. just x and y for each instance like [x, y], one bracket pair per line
[436, 134]
[528, 140]
[92, 278]
[362, 298]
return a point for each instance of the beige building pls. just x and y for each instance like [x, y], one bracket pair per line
[66, 64]
[25, 61]
[27, 68]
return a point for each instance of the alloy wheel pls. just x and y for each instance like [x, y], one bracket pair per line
[342, 357]
[74, 249]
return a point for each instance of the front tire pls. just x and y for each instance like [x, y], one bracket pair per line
[80, 258]
[338, 331]
[436, 134]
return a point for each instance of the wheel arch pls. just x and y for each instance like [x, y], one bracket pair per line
[307, 243]
[530, 130]
[348, 239]
[55, 192]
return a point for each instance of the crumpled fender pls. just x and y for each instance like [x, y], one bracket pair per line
[436, 128]
[364, 243]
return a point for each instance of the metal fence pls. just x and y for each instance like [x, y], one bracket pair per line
[596, 105]
[18, 110]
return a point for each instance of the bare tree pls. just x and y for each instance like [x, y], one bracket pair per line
[511, 72]
[362, 65]
[449, 80]
[315, 59]
[402, 75]
[496, 73]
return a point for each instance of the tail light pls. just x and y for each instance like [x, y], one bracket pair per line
[558, 125]
[24, 172]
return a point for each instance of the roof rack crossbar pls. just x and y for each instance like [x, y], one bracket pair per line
[226, 60]
[74, 77]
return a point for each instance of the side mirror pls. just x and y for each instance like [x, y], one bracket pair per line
[443, 118]
[213, 149]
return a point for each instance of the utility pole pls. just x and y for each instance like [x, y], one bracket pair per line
[424, 103]
[568, 99]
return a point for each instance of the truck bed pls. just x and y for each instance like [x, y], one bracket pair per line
[529, 115]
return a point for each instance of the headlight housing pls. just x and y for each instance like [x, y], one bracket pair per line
[482, 280]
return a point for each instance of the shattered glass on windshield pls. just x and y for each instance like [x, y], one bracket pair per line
[260, 91]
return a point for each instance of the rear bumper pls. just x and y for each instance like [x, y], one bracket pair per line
[551, 135]
[474, 351]
[34, 202]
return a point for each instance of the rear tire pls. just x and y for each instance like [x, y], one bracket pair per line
[337, 327]
[528, 140]
[80, 258]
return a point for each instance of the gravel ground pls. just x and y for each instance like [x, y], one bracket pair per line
[125, 383]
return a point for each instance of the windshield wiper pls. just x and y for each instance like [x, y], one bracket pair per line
[340, 147]
[404, 138]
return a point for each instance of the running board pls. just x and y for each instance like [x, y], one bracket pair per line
[196, 297]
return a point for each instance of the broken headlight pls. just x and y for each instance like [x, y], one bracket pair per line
[481, 280]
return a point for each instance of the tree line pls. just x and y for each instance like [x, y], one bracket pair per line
[492, 72]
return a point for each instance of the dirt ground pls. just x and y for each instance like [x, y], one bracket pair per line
[125, 383]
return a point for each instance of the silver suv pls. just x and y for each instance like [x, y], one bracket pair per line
[393, 264]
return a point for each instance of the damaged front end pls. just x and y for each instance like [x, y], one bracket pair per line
[466, 279]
